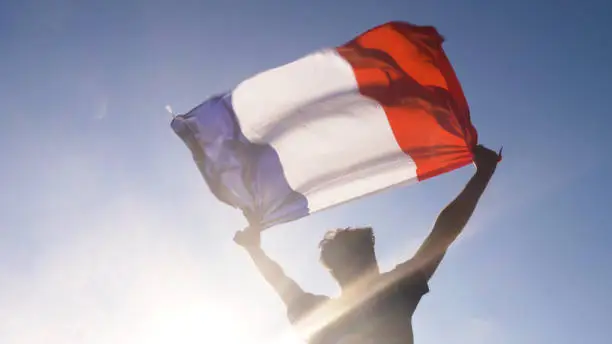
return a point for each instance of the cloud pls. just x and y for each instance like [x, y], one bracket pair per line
[101, 110]
[479, 331]
[468, 329]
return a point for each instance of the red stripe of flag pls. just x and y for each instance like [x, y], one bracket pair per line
[405, 69]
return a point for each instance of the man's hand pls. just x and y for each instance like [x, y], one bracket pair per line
[248, 238]
[485, 159]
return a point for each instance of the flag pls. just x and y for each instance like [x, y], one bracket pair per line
[382, 110]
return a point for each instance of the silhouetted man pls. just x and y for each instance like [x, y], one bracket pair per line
[374, 307]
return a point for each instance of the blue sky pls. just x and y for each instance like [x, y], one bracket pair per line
[109, 235]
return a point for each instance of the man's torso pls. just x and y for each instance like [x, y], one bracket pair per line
[382, 318]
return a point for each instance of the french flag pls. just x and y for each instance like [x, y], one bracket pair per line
[383, 110]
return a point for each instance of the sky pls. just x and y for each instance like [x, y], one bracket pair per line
[108, 233]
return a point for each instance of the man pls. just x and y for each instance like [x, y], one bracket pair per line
[374, 307]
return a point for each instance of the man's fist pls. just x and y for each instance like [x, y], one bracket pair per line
[248, 238]
[485, 159]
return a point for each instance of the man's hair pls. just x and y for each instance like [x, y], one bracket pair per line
[345, 246]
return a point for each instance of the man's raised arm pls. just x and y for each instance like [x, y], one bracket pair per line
[285, 287]
[455, 216]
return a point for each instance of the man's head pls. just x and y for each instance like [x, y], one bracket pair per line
[349, 253]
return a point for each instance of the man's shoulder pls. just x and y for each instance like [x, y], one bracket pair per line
[406, 277]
